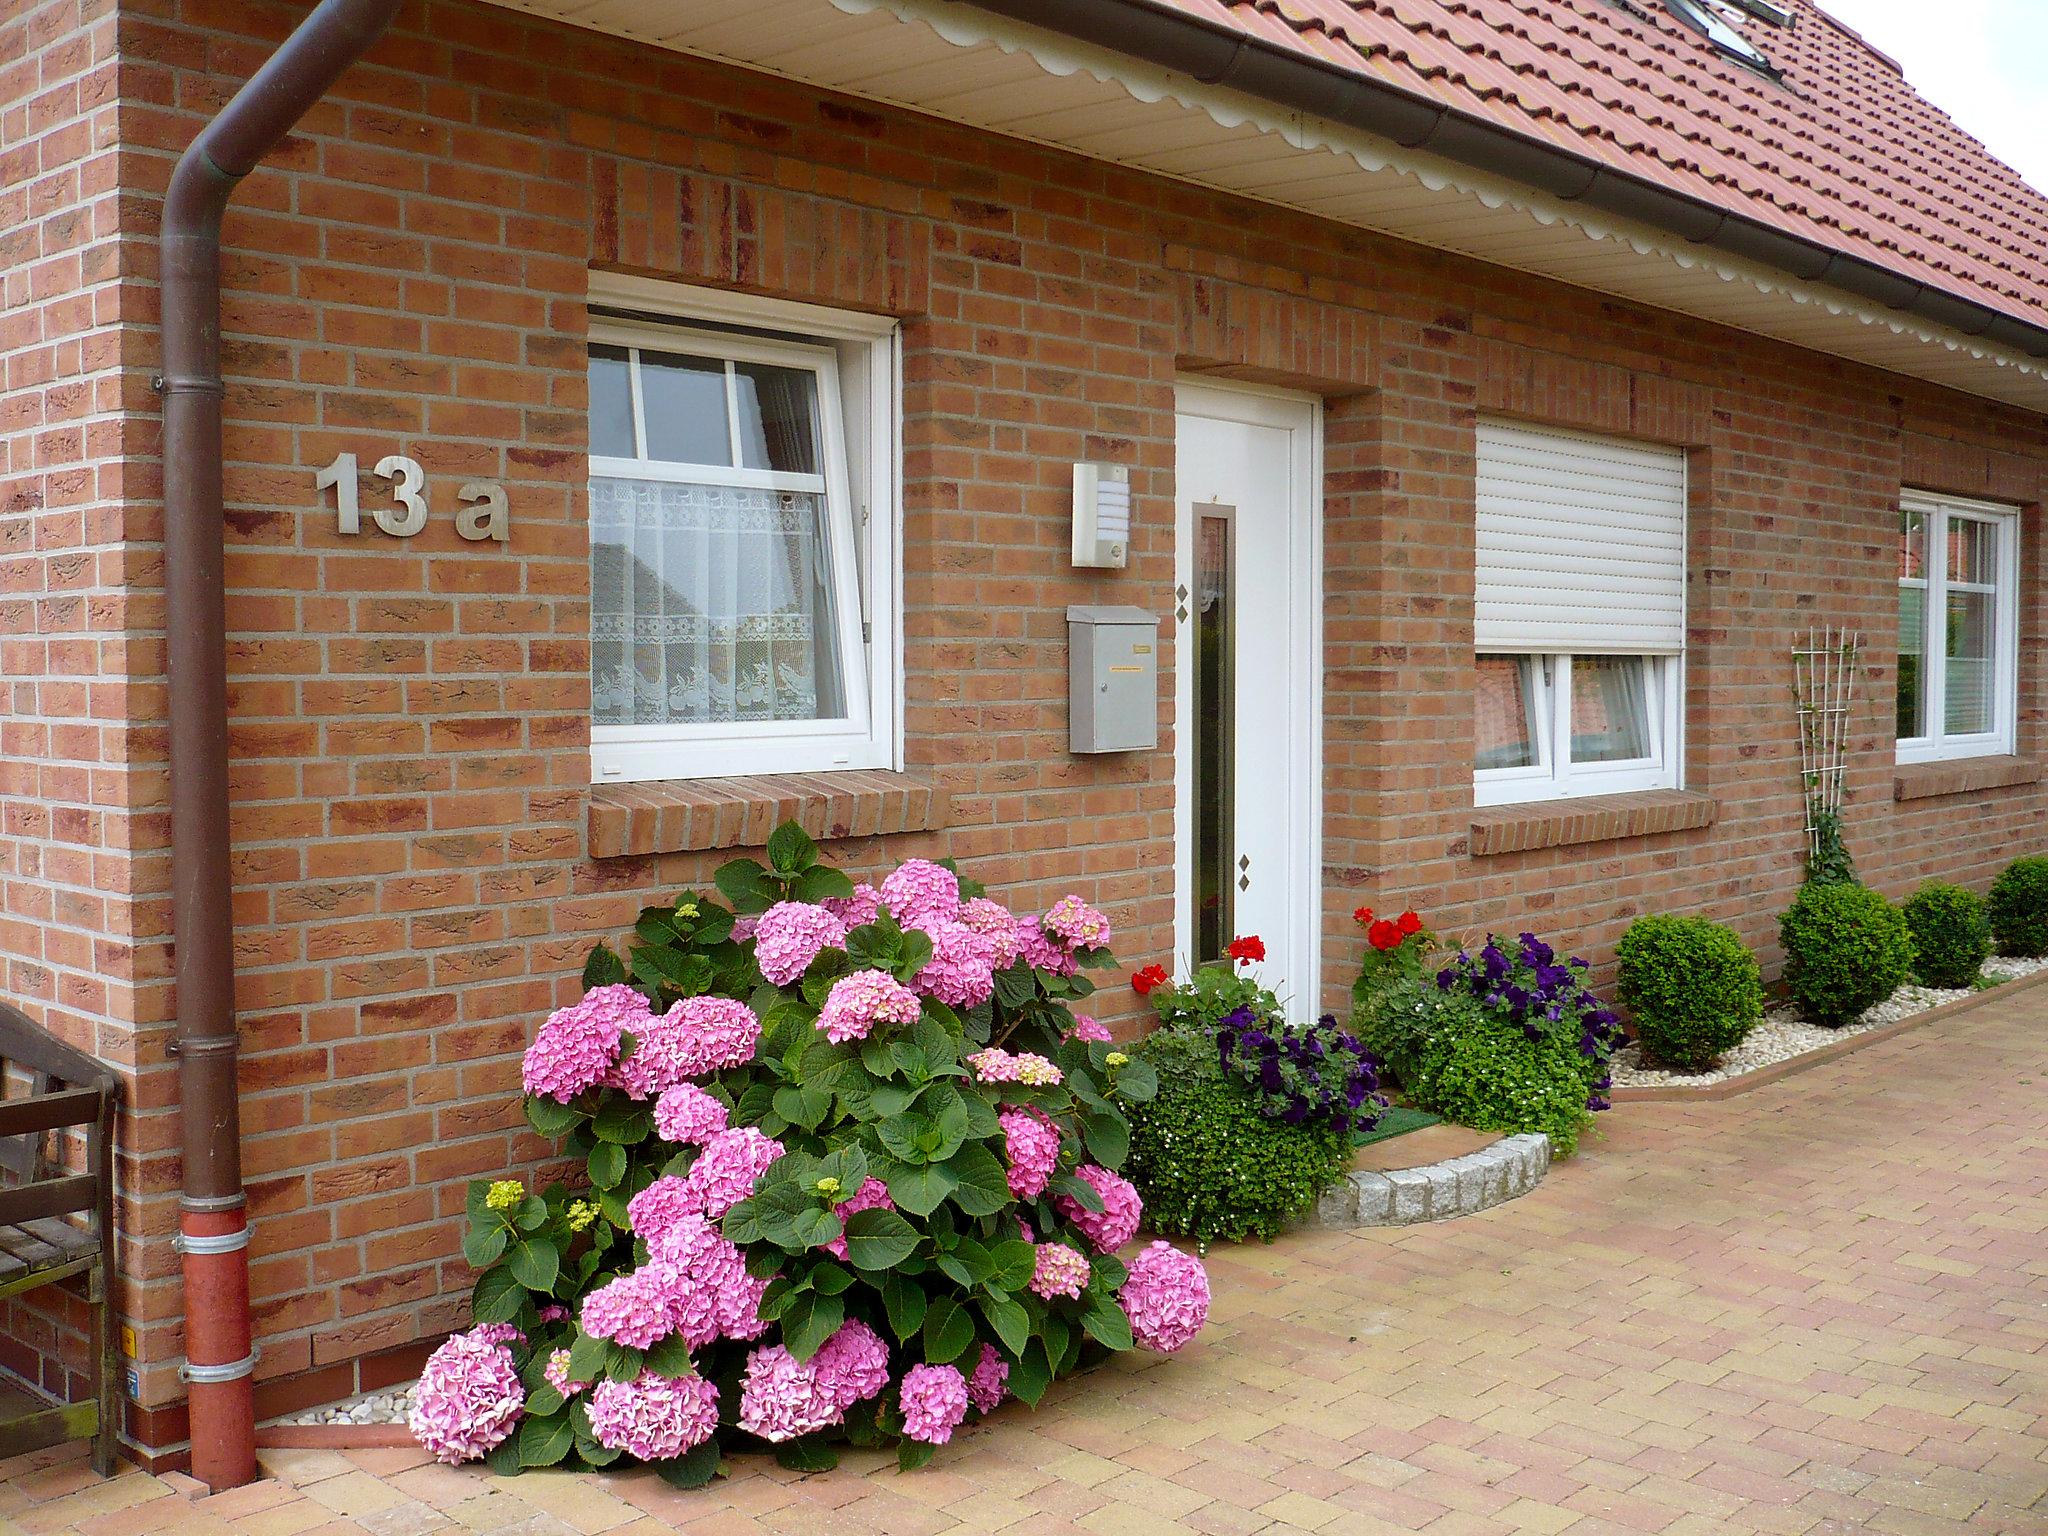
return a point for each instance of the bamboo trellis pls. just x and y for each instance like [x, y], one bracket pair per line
[1823, 684]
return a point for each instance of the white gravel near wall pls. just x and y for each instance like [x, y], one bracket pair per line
[386, 1407]
[1783, 1034]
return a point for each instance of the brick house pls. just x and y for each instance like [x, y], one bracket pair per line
[648, 421]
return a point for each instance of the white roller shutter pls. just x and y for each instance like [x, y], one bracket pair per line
[1581, 543]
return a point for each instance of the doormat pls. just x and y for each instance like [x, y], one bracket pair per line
[1397, 1121]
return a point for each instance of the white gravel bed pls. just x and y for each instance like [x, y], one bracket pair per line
[1783, 1034]
[387, 1407]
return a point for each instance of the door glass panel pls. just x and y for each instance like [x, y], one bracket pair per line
[1610, 709]
[1505, 712]
[1215, 733]
[1912, 662]
[778, 417]
[683, 399]
[1967, 682]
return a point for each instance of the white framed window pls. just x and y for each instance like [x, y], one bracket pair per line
[744, 572]
[1555, 725]
[1579, 614]
[1958, 690]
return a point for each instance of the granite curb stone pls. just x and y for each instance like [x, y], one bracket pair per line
[1400, 1197]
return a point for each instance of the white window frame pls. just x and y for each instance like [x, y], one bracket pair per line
[1554, 776]
[1935, 512]
[858, 362]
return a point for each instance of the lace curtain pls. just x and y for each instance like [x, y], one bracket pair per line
[709, 603]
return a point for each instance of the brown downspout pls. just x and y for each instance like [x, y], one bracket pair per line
[213, 1234]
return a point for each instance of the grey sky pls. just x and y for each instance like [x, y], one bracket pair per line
[1980, 61]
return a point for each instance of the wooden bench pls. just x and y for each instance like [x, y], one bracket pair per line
[56, 1221]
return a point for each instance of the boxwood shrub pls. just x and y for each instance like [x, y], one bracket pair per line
[1208, 1164]
[1693, 986]
[1951, 938]
[2018, 907]
[1846, 949]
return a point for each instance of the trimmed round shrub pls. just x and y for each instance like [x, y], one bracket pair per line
[2018, 908]
[1951, 938]
[1693, 987]
[1477, 1072]
[1397, 1022]
[1846, 948]
[1208, 1164]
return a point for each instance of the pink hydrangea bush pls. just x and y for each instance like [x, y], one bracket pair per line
[844, 1150]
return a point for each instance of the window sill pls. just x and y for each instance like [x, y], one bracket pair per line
[1962, 776]
[1498, 829]
[692, 815]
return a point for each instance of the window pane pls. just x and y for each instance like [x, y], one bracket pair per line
[1972, 551]
[1610, 709]
[611, 404]
[778, 417]
[1967, 700]
[683, 399]
[710, 603]
[1504, 712]
[1913, 548]
[1912, 708]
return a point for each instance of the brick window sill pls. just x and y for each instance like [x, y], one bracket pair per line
[692, 815]
[1962, 776]
[1498, 829]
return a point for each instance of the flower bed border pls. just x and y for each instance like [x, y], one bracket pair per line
[1777, 1071]
[1457, 1186]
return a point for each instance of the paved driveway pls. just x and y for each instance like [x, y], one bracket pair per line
[1819, 1307]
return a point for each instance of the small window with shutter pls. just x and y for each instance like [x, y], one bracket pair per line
[1579, 618]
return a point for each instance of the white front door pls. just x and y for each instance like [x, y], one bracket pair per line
[1248, 609]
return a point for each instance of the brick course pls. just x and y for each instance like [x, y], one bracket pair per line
[413, 817]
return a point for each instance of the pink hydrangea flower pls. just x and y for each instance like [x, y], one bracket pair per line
[997, 926]
[851, 1366]
[636, 1309]
[654, 1418]
[1040, 953]
[658, 1207]
[557, 1374]
[497, 1333]
[783, 1397]
[1032, 1143]
[988, 1385]
[553, 1312]
[792, 934]
[934, 1401]
[1076, 924]
[857, 910]
[921, 892]
[1061, 1271]
[1087, 1031]
[857, 1003]
[699, 1035]
[1117, 1222]
[688, 1115]
[993, 1064]
[578, 1046]
[468, 1399]
[704, 1282]
[1166, 1297]
[726, 1170]
[873, 1194]
[959, 973]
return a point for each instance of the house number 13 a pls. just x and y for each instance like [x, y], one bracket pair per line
[483, 515]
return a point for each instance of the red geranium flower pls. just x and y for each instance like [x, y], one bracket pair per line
[1409, 924]
[1247, 949]
[1383, 935]
[1362, 917]
[1148, 978]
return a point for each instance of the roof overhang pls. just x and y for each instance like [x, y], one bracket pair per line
[969, 65]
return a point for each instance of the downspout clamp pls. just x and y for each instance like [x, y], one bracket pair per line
[212, 1210]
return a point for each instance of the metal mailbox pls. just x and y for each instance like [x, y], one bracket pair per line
[1112, 680]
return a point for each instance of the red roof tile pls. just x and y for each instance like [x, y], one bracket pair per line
[1840, 151]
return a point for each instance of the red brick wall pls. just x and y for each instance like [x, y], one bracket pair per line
[408, 274]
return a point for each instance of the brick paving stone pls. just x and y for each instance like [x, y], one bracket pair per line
[1776, 1315]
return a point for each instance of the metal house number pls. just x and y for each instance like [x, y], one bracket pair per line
[483, 516]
